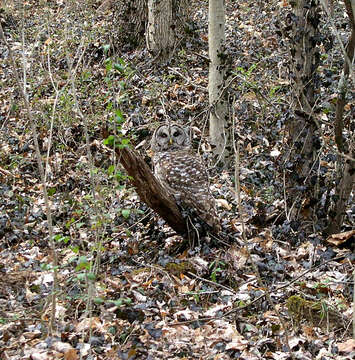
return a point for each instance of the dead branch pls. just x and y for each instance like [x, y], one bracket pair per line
[150, 191]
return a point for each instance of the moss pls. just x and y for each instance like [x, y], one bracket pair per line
[317, 313]
[179, 268]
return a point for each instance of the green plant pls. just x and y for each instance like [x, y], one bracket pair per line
[216, 268]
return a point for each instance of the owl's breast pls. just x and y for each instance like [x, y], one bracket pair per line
[181, 170]
[184, 175]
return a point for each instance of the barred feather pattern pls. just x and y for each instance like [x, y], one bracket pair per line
[183, 173]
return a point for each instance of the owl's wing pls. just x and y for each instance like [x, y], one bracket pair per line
[186, 177]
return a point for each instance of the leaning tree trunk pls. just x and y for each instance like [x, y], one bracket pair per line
[304, 139]
[216, 81]
[347, 178]
[160, 37]
[151, 191]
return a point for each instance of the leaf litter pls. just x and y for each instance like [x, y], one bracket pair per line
[204, 303]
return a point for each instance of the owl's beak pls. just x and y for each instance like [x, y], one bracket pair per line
[170, 141]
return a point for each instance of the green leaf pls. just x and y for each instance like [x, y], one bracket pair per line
[126, 213]
[110, 140]
[74, 249]
[119, 116]
[99, 300]
[45, 267]
[106, 48]
[51, 191]
[251, 69]
[69, 222]
[118, 302]
[83, 264]
[119, 176]
[122, 301]
[125, 141]
[274, 90]
[79, 225]
[61, 238]
[213, 277]
[81, 277]
[109, 106]
[112, 330]
[111, 169]
[108, 65]
[118, 67]
[122, 84]
[91, 276]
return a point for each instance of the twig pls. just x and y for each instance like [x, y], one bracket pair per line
[94, 265]
[7, 173]
[255, 268]
[306, 272]
[211, 282]
[190, 82]
[23, 92]
[346, 57]
[353, 305]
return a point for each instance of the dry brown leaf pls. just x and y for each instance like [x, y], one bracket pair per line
[65, 348]
[238, 343]
[239, 256]
[71, 354]
[347, 346]
[223, 203]
[94, 323]
[338, 239]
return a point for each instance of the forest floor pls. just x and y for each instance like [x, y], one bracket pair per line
[121, 292]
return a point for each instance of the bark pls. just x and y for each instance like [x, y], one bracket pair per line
[130, 20]
[343, 83]
[160, 37]
[150, 191]
[343, 192]
[346, 183]
[216, 80]
[303, 129]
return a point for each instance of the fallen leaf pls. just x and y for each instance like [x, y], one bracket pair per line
[275, 153]
[223, 203]
[347, 346]
[338, 239]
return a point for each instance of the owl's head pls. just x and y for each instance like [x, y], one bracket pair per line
[170, 138]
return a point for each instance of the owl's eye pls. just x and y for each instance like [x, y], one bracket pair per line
[163, 135]
[176, 134]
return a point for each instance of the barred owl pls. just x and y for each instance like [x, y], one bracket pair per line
[182, 173]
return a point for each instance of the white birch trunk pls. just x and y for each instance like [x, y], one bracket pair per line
[218, 105]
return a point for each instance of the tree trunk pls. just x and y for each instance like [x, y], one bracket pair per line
[302, 176]
[346, 184]
[160, 37]
[130, 18]
[216, 80]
